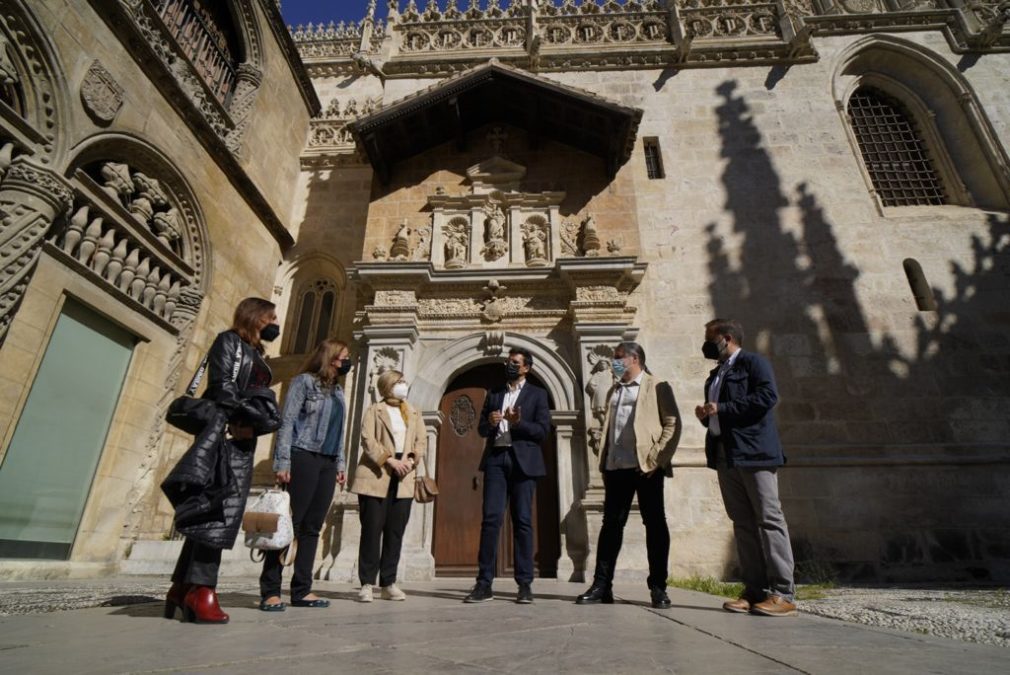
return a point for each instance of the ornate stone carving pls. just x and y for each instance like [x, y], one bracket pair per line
[598, 385]
[597, 294]
[493, 308]
[590, 239]
[8, 72]
[101, 94]
[31, 198]
[422, 251]
[111, 237]
[401, 243]
[385, 358]
[493, 343]
[395, 298]
[536, 234]
[379, 252]
[495, 245]
[463, 415]
[456, 236]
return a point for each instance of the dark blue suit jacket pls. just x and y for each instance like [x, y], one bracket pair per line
[746, 421]
[528, 434]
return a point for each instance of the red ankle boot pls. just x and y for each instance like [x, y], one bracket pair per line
[174, 598]
[200, 606]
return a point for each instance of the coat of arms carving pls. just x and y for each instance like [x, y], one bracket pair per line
[101, 94]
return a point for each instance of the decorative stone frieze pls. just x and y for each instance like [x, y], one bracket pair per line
[32, 197]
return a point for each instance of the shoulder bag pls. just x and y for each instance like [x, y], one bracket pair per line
[267, 524]
[425, 488]
[191, 414]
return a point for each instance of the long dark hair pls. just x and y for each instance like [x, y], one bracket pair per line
[320, 362]
[248, 314]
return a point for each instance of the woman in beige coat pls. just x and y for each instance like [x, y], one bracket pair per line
[392, 445]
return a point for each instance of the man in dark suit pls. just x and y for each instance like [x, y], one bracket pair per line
[515, 421]
[742, 445]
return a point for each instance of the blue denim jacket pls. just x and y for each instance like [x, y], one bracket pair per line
[307, 408]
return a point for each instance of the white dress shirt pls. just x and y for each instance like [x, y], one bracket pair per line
[509, 401]
[715, 388]
[622, 452]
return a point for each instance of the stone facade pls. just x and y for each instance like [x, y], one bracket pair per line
[449, 239]
[123, 188]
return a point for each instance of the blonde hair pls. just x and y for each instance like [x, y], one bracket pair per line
[320, 362]
[386, 381]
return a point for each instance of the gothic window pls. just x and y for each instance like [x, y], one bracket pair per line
[317, 306]
[205, 33]
[892, 146]
[653, 159]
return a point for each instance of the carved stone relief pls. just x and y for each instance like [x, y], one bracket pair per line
[385, 358]
[31, 198]
[101, 94]
[495, 245]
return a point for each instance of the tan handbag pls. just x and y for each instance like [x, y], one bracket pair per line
[425, 488]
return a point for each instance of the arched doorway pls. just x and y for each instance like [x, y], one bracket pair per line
[458, 507]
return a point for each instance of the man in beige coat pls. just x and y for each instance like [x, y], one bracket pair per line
[640, 434]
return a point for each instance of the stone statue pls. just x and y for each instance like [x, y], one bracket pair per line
[535, 243]
[601, 380]
[455, 247]
[494, 232]
[333, 109]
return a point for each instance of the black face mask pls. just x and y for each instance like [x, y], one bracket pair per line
[270, 332]
[712, 350]
[511, 371]
[344, 367]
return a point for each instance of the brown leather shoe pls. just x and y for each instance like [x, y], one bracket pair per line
[774, 605]
[740, 606]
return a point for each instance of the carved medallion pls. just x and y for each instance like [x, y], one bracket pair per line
[101, 94]
[463, 415]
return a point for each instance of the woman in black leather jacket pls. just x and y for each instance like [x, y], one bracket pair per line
[217, 469]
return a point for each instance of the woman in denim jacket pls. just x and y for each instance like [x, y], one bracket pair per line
[309, 458]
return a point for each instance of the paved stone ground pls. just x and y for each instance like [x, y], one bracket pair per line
[122, 631]
[977, 615]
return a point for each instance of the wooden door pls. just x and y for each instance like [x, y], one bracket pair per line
[461, 485]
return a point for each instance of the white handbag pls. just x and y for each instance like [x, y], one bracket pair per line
[267, 523]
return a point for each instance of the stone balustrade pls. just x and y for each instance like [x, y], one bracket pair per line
[128, 235]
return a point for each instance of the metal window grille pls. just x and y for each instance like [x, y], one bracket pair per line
[900, 167]
[653, 159]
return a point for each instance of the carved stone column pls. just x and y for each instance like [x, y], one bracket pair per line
[31, 198]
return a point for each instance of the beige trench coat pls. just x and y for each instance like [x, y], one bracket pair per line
[372, 476]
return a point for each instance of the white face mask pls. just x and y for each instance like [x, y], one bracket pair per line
[400, 390]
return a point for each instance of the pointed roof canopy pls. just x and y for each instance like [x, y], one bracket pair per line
[494, 92]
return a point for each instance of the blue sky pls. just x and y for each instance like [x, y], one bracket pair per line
[304, 11]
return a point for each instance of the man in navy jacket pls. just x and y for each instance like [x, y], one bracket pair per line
[515, 420]
[742, 445]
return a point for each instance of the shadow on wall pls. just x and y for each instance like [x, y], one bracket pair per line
[845, 382]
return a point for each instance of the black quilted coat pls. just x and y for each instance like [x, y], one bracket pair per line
[209, 486]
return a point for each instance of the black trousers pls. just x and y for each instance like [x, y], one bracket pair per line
[313, 480]
[506, 484]
[383, 522]
[621, 486]
[198, 564]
